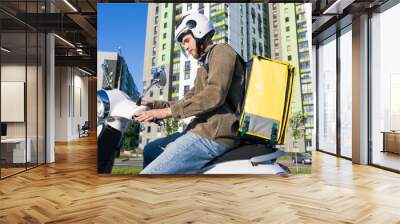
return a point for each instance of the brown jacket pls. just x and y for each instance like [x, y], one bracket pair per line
[215, 98]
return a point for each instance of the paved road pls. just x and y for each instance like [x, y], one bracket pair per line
[131, 162]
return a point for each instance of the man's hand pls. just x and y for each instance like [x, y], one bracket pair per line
[152, 115]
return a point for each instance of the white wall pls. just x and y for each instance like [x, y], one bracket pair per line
[71, 95]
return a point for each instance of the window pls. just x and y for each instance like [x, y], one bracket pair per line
[157, 9]
[155, 40]
[189, 6]
[289, 57]
[156, 19]
[153, 61]
[187, 74]
[148, 129]
[187, 65]
[158, 129]
[163, 57]
[260, 49]
[164, 35]
[151, 94]
[147, 141]
[327, 98]
[165, 15]
[287, 38]
[166, 5]
[287, 29]
[186, 89]
[165, 25]
[154, 51]
[161, 92]
[164, 46]
[287, 19]
[155, 30]
[385, 83]
[346, 94]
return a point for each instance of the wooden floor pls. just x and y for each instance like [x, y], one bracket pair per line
[70, 191]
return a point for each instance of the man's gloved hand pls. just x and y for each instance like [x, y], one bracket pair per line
[153, 115]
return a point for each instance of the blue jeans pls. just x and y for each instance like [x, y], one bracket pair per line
[179, 153]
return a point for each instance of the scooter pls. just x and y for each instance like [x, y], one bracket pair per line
[115, 110]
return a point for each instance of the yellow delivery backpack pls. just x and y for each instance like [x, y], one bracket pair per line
[268, 94]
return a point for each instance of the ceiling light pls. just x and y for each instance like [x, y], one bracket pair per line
[70, 5]
[5, 50]
[65, 41]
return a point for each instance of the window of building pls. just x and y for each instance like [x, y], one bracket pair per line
[161, 92]
[157, 9]
[164, 46]
[148, 129]
[165, 25]
[287, 29]
[186, 89]
[153, 61]
[189, 6]
[187, 74]
[165, 15]
[155, 40]
[147, 141]
[289, 57]
[156, 19]
[287, 19]
[155, 30]
[151, 94]
[154, 51]
[164, 35]
[163, 57]
[166, 5]
[187, 65]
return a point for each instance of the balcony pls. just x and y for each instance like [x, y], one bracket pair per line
[301, 30]
[304, 59]
[303, 49]
[217, 12]
[219, 23]
[307, 80]
[308, 114]
[307, 102]
[300, 40]
[307, 91]
[304, 70]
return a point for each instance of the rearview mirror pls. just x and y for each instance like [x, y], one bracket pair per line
[159, 76]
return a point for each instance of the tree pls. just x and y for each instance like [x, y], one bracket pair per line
[296, 123]
[171, 126]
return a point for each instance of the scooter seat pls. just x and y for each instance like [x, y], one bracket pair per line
[243, 152]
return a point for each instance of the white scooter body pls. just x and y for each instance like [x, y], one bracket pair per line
[245, 167]
[122, 109]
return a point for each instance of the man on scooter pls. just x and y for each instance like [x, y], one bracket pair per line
[214, 101]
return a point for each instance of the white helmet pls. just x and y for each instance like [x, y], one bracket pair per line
[197, 24]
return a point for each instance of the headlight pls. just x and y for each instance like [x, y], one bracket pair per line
[100, 108]
[103, 104]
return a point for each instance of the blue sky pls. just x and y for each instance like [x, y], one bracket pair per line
[124, 25]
